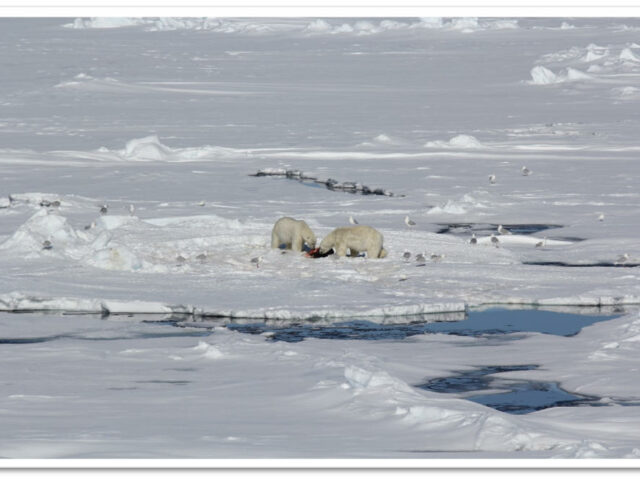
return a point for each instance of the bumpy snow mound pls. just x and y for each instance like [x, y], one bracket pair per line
[625, 93]
[42, 226]
[151, 149]
[19, 301]
[147, 148]
[361, 27]
[117, 257]
[5, 202]
[313, 27]
[379, 394]
[361, 378]
[576, 75]
[627, 55]
[383, 140]
[118, 22]
[459, 141]
[465, 204]
[543, 76]
[603, 62]
[332, 314]
[170, 23]
[208, 351]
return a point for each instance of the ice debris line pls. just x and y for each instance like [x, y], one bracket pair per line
[329, 183]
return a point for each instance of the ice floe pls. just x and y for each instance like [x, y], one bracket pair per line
[459, 141]
[314, 27]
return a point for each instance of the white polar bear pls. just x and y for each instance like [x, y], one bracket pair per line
[359, 238]
[293, 233]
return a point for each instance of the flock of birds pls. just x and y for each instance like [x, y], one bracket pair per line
[421, 258]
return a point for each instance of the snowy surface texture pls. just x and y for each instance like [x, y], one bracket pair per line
[163, 123]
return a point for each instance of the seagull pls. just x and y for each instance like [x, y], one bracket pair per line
[473, 240]
[541, 243]
[132, 209]
[494, 240]
[420, 258]
[503, 231]
[406, 255]
[353, 221]
[526, 171]
[410, 223]
[257, 261]
[623, 258]
[201, 203]
[436, 258]
[103, 209]
[601, 217]
[492, 179]
[46, 245]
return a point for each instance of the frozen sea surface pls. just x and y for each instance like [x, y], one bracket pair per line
[128, 154]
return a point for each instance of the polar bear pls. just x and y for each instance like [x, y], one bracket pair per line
[359, 238]
[293, 233]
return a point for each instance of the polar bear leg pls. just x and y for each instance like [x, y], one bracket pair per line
[341, 250]
[275, 240]
[296, 243]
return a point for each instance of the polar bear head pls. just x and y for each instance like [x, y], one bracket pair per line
[309, 238]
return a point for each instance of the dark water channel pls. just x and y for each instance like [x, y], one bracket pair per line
[493, 322]
[488, 385]
[515, 396]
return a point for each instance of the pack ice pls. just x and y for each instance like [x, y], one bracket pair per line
[130, 213]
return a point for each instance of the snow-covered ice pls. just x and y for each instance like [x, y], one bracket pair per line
[166, 122]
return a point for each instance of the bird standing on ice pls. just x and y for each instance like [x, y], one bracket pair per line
[406, 255]
[410, 223]
[601, 217]
[526, 172]
[494, 240]
[503, 231]
[257, 261]
[132, 209]
[421, 260]
[473, 240]
[352, 220]
[622, 258]
[104, 209]
[492, 179]
[541, 243]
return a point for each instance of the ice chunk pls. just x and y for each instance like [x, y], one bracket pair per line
[465, 141]
[42, 226]
[147, 148]
[627, 55]
[542, 76]
[576, 75]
